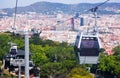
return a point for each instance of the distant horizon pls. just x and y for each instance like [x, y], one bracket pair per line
[23, 3]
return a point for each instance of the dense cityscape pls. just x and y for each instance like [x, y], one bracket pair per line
[54, 28]
[61, 29]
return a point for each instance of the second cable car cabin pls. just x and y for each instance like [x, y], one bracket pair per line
[87, 48]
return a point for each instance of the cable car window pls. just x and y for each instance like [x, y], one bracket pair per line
[77, 40]
[89, 46]
[89, 42]
[13, 51]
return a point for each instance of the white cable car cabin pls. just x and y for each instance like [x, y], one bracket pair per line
[87, 47]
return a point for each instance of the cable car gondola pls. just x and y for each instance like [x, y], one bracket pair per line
[87, 48]
[87, 45]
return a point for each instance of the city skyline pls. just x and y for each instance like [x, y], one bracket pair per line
[11, 3]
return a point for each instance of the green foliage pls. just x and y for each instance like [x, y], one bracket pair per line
[38, 54]
[4, 47]
[4, 39]
[51, 69]
[68, 64]
[110, 64]
[54, 58]
[19, 42]
[55, 69]
[39, 41]
[116, 50]
[35, 40]
[79, 72]
[62, 57]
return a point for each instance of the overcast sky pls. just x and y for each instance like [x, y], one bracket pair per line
[11, 3]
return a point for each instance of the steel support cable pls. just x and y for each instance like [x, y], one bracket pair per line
[14, 27]
[94, 9]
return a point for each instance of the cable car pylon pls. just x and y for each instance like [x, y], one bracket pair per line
[26, 37]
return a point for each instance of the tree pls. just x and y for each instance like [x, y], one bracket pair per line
[68, 65]
[116, 50]
[79, 72]
[54, 60]
[4, 47]
[4, 39]
[38, 54]
[51, 69]
[110, 64]
[36, 40]
[20, 43]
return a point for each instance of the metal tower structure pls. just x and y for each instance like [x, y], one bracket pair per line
[26, 34]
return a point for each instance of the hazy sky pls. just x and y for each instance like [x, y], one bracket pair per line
[11, 3]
